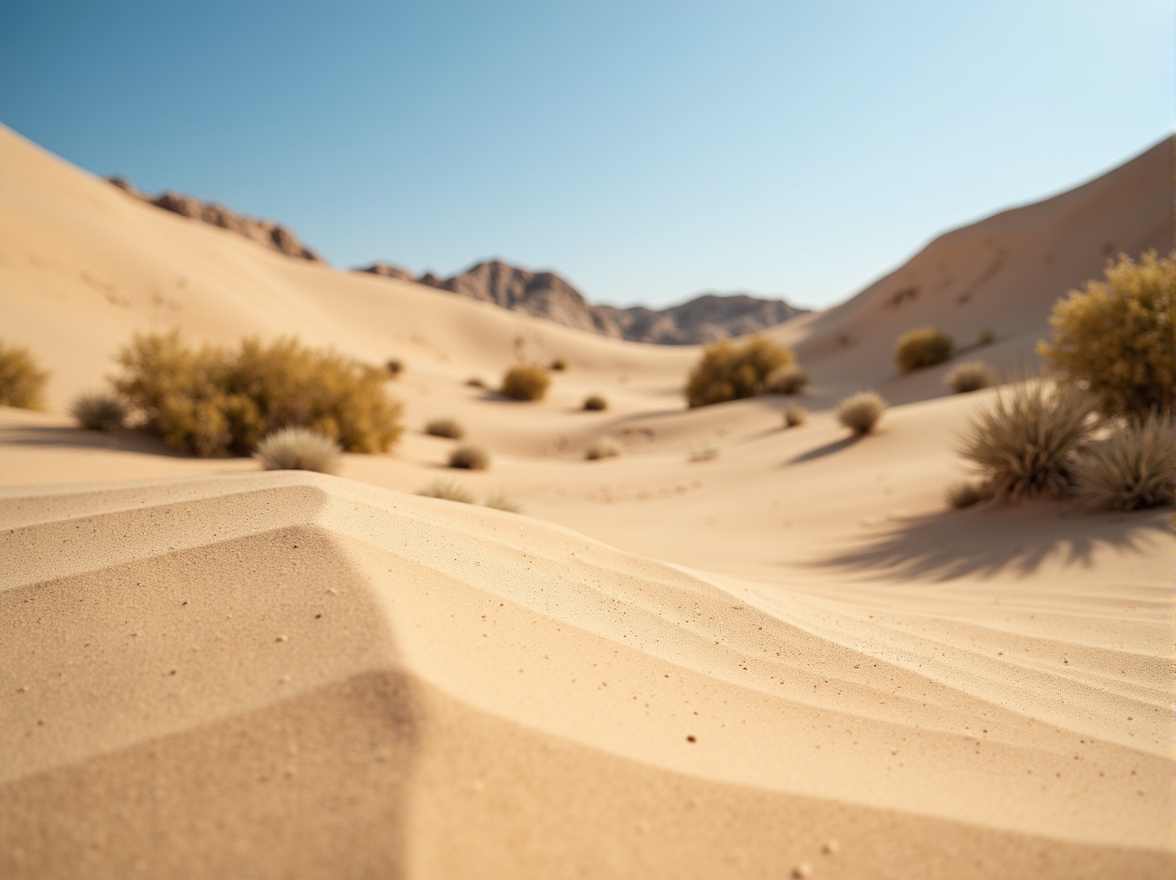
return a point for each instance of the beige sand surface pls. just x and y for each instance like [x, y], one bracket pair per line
[789, 658]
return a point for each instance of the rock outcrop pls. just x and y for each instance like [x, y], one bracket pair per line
[264, 232]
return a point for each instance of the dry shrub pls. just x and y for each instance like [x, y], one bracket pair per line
[605, 447]
[860, 412]
[965, 494]
[299, 449]
[970, 376]
[22, 382]
[791, 379]
[448, 428]
[1133, 468]
[703, 451]
[1118, 337]
[212, 400]
[559, 365]
[395, 367]
[476, 382]
[499, 501]
[470, 458]
[1025, 444]
[595, 403]
[99, 411]
[525, 382]
[728, 371]
[447, 490]
[985, 337]
[924, 347]
[795, 416]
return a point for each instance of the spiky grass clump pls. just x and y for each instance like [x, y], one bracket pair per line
[970, 376]
[470, 458]
[525, 382]
[791, 379]
[1131, 469]
[447, 490]
[1118, 337]
[966, 493]
[22, 382]
[499, 501]
[924, 347]
[605, 447]
[732, 372]
[299, 449]
[1025, 444]
[794, 416]
[860, 412]
[595, 403]
[99, 411]
[449, 428]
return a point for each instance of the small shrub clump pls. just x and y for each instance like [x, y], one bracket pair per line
[559, 365]
[860, 412]
[395, 367]
[966, 493]
[969, 376]
[985, 337]
[924, 347]
[214, 401]
[499, 501]
[1117, 337]
[794, 416]
[595, 403]
[470, 458]
[1131, 469]
[99, 411]
[605, 447]
[791, 379]
[476, 382]
[728, 371]
[22, 382]
[299, 449]
[448, 428]
[525, 382]
[1025, 445]
[703, 451]
[447, 490]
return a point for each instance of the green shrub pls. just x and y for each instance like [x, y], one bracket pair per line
[213, 401]
[965, 493]
[728, 371]
[860, 412]
[1025, 444]
[595, 403]
[921, 348]
[99, 411]
[1118, 337]
[447, 490]
[448, 428]
[1131, 469]
[470, 458]
[795, 416]
[969, 376]
[525, 382]
[22, 382]
[298, 449]
[791, 379]
[605, 447]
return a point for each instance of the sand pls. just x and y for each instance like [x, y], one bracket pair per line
[788, 660]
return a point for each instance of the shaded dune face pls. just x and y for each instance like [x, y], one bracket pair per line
[295, 675]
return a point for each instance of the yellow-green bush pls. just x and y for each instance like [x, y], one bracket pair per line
[525, 382]
[1118, 337]
[728, 371]
[22, 382]
[214, 401]
[924, 347]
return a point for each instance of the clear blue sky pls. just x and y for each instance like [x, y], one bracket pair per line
[645, 150]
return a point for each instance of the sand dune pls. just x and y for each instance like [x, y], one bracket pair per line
[788, 659]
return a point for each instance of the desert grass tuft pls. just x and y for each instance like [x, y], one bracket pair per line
[470, 458]
[299, 449]
[794, 416]
[559, 365]
[499, 501]
[1133, 468]
[860, 412]
[966, 493]
[595, 403]
[475, 382]
[970, 376]
[99, 411]
[394, 366]
[924, 347]
[525, 382]
[447, 490]
[1025, 444]
[791, 379]
[22, 381]
[604, 447]
[448, 428]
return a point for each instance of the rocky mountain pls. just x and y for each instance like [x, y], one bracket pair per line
[264, 232]
[546, 295]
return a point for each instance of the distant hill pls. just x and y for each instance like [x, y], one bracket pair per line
[546, 295]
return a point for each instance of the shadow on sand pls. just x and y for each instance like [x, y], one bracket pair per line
[80, 438]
